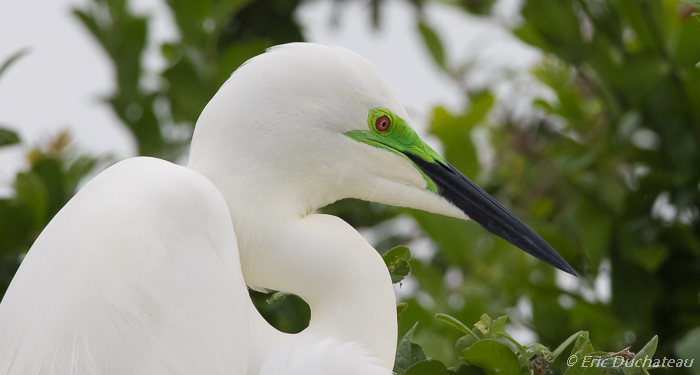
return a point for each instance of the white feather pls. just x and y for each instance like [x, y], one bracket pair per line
[141, 272]
[137, 274]
[322, 357]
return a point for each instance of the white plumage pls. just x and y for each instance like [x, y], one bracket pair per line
[140, 274]
[137, 274]
[319, 357]
[143, 271]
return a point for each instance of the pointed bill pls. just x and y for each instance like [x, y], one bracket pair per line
[392, 133]
[482, 208]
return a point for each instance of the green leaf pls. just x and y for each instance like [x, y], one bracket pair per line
[466, 370]
[190, 17]
[485, 323]
[50, 169]
[582, 348]
[537, 349]
[481, 327]
[170, 52]
[12, 60]
[490, 327]
[400, 307]
[455, 132]
[695, 3]
[277, 296]
[396, 261]
[432, 41]
[521, 349]
[237, 54]
[77, 170]
[31, 191]
[464, 342]
[581, 342]
[497, 325]
[16, 222]
[595, 229]
[8, 137]
[649, 349]
[650, 257]
[408, 353]
[186, 92]
[566, 343]
[457, 324]
[428, 367]
[688, 348]
[493, 357]
[222, 10]
[647, 353]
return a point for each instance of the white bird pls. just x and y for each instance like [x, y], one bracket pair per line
[144, 271]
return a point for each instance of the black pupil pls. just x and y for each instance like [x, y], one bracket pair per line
[383, 123]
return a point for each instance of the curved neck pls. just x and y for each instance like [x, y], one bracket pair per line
[320, 258]
[327, 263]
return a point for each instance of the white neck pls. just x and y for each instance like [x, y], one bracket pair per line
[273, 141]
[320, 258]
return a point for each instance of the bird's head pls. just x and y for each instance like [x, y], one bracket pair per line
[304, 125]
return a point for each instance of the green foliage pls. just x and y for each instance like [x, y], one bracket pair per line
[400, 307]
[493, 357]
[489, 350]
[8, 137]
[695, 3]
[11, 60]
[275, 307]
[40, 192]
[408, 353]
[427, 367]
[214, 42]
[621, 135]
[396, 261]
[688, 348]
[432, 41]
[457, 324]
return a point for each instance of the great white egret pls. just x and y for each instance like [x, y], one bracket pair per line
[142, 273]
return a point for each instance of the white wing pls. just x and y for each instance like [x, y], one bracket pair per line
[138, 274]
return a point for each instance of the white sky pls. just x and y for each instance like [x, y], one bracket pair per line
[58, 85]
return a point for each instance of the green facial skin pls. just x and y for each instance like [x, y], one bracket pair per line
[399, 138]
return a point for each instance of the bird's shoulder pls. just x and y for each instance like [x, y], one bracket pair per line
[138, 273]
[160, 183]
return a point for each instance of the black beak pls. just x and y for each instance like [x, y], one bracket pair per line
[482, 208]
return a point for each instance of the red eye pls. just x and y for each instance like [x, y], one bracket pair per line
[383, 123]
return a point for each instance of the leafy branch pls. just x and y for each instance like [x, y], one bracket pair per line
[491, 351]
[486, 349]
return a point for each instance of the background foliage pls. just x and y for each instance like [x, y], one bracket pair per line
[607, 171]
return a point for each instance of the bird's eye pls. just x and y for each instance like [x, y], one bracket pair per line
[383, 123]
